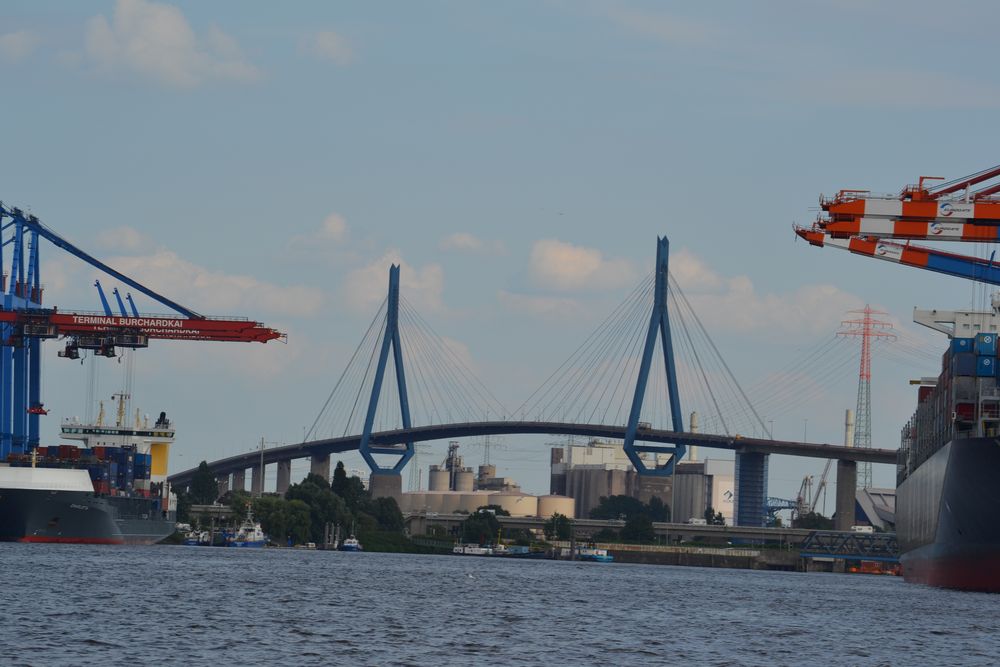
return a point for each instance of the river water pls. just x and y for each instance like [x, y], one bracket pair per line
[171, 605]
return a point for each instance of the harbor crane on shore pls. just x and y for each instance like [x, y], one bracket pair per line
[25, 323]
[873, 225]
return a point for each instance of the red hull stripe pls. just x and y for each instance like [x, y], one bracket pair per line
[968, 574]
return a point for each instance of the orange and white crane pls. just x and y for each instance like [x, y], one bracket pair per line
[872, 225]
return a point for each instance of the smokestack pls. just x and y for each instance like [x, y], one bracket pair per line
[693, 428]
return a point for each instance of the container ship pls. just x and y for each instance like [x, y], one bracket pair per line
[949, 459]
[111, 490]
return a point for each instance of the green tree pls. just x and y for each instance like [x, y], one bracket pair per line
[204, 488]
[183, 505]
[657, 509]
[713, 518]
[813, 521]
[638, 528]
[482, 527]
[605, 535]
[324, 506]
[559, 527]
[617, 507]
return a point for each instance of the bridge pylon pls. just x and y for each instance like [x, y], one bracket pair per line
[390, 337]
[659, 327]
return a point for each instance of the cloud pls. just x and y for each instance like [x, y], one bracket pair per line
[545, 306]
[734, 303]
[328, 45]
[214, 292]
[15, 46]
[156, 41]
[563, 266]
[123, 239]
[465, 242]
[365, 288]
[664, 27]
[332, 231]
[334, 228]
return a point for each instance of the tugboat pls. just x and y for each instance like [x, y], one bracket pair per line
[249, 534]
[350, 544]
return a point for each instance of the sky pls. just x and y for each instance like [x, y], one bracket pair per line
[518, 159]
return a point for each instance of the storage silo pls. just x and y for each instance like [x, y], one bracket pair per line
[432, 501]
[465, 481]
[439, 479]
[450, 502]
[518, 504]
[473, 501]
[549, 505]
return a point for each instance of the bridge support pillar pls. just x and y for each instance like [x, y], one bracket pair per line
[386, 485]
[257, 480]
[240, 480]
[284, 476]
[223, 483]
[320, 465]
[751, 489]
[847, 484]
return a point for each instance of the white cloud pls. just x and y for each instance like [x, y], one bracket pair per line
[559, 308]
[15, 46]
[213, 292]
[563, 266]
[123, 239]
[155, 40]
[334, 228]
[465, 242]
[328, 45]
[734, 304]
[365, 288]
[664, 27]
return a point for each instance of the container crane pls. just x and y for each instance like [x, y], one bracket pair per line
[25, 323]
[870, 225]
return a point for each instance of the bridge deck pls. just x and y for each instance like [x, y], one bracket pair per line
[613, 432]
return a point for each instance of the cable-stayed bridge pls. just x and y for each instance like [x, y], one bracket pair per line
[628, 381]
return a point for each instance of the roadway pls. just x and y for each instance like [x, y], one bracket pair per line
[386, 439]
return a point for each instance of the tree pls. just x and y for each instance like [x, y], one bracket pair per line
[183, 505]
[713, 518]
[350, 489]
[482, 527]
[658, 510]
[813, 521]
[324, 506]
[559, 527]
[617, 507]
[638, 528]
[204, 488]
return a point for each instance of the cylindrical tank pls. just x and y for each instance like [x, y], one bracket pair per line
[406, 502]
[465, 480]
[439, 479]
[487, 472]
[473, 501]
[518, 504]
[451, 502]
[432, 501]
[549, 505]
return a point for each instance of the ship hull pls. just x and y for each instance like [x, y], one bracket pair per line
[78, 517]
[946, 518]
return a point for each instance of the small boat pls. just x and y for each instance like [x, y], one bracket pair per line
[594, 554]
[198, 538]
[471, 550]
[350, 544]
[248, 535]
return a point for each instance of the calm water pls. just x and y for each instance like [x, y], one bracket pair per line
[75, 605]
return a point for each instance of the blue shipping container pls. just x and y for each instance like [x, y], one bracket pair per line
[986, 344]
[961, 344]
[986, 367]
[963, 364]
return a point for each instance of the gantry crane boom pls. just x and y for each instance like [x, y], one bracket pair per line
[857, 221]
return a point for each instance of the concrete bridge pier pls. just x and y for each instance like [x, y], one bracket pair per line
[257, 480]
[240, 480]
[751, 489]
[847, 484]
[284, 476]
[386, 485]
[319, 464]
